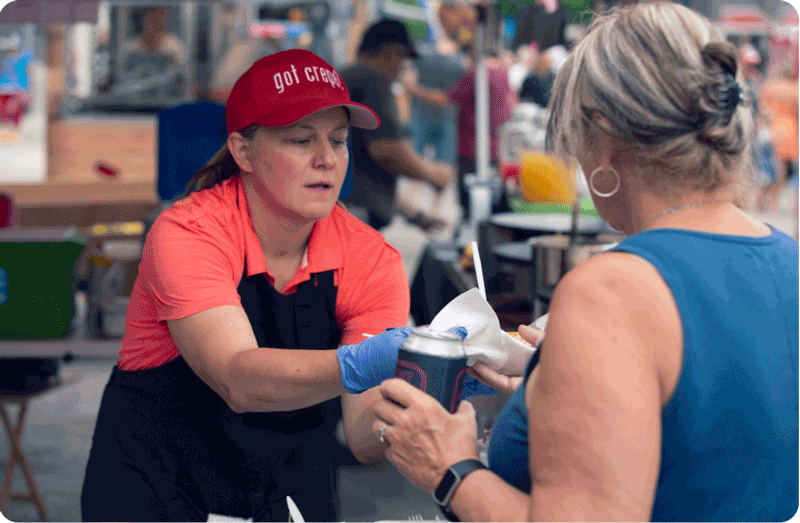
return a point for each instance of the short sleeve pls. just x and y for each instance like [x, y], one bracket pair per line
[189, 265]
[463, 90]
[376, 93]
[373, 294]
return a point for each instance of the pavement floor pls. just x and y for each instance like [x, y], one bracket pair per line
[57, 434]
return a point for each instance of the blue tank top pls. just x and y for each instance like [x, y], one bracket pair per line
[729, 434]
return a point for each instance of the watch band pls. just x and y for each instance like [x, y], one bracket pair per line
[451, 480]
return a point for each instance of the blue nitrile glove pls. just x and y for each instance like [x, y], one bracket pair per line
[365, 365]
[460, 331]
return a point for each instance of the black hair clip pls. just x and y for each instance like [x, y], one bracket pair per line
[732, 93]
[726, 98]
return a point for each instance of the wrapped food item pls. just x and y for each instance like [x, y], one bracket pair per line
[485, 340]
[515, 335]
[467, 260]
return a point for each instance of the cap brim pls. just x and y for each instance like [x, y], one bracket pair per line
[361, 116]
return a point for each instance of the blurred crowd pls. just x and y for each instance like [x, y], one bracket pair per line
[775, 145]
[440, 87]
[429, 86]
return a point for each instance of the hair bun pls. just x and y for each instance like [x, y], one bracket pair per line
[721, 55]
[722, 93]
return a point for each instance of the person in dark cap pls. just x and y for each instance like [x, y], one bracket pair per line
[381, 155]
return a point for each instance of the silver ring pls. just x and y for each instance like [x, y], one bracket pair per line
[382, 432]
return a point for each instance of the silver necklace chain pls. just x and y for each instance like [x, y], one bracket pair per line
[677, 208]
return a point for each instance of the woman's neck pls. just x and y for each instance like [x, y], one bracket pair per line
[281, 238]
[646, 205]
[713, 212]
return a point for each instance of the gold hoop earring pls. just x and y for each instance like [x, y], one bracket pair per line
[604, 194]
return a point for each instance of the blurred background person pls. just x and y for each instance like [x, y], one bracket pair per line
[462, 95]
[153, 37]
[155, 61]
[432, 126]
[750, 61]
[458, 20]
[238, 50]
[758, 196]
[778, 99]
[382, 155]
[542, 24]
[537, 85]
[235, 62]
[666, 387]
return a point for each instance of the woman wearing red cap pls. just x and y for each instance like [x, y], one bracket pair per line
[245, 323]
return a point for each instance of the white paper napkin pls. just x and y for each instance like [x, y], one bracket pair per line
[219, 518]
[485, 340]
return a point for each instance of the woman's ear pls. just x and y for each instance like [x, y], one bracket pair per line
[239, 146]
[600, 141]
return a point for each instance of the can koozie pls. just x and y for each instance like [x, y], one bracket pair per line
[439, 376]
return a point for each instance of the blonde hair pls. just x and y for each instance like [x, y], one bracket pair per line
[660, 82]
[219, 168]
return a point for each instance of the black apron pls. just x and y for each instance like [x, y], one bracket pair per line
[167, 448]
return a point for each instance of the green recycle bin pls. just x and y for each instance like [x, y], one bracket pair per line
[37, 281]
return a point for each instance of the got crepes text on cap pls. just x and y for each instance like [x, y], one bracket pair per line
[314, 73]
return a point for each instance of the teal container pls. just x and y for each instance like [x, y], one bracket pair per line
[37, 281]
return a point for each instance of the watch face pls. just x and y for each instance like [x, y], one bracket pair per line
[442, 493]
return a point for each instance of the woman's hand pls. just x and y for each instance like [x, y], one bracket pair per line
[508, 384]
[410, 79]
[499, 382]
[530, 334]
[428, 222]
[423, 439]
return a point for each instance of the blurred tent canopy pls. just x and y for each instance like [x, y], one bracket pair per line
[49, 12]
[60, 11]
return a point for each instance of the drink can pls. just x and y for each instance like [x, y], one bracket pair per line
[435, 363]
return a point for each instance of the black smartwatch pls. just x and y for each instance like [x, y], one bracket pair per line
[450, 482]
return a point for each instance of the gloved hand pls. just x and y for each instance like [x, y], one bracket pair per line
[365, 365]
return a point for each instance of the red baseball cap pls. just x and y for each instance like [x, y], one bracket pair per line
[284, 87]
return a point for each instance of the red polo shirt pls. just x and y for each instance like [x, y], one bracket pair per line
[194, 257]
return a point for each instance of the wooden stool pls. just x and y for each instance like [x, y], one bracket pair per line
[17, 456]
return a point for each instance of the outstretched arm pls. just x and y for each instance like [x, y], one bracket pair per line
[400, 157]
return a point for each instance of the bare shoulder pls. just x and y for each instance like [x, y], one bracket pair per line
[614, 278]
[602, 380]
[620, 302]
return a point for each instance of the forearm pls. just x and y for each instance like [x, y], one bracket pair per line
[267, 379]
[404, 207]
[399, 157]
[429, 95]
[358, 417]
[547, 502]
[506, 503]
